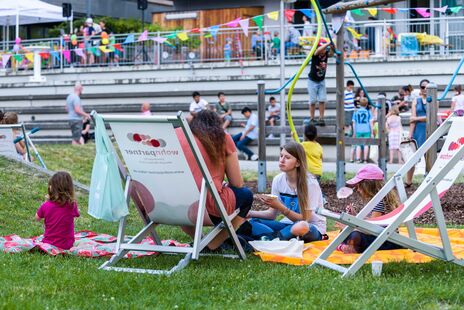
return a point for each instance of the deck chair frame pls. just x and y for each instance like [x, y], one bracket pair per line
[390, 232]
[199, 243]
[23, 129]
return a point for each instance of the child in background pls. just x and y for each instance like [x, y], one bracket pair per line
[313, 151]
[228, 50]
[59, 211]
[363, 124]
[394, 129]
[11, 118]
[276, 44]
[274, 113]
[349, 107]
[457, 103]
[145, 109]
[368, 182]
[298, 195]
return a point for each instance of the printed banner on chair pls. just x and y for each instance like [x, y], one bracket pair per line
[160, 173]
[7, 147]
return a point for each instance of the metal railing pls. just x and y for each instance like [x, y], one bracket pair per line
[386, 38]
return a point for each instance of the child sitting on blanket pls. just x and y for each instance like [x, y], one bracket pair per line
[368, 182]
[297, 196]
[59, 211]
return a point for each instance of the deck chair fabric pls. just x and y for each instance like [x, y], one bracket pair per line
[159, 181]
[443, 174]
[7, 146]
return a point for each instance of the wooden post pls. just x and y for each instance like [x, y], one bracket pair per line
[262, 175]
[340, 126]
[432, 118]
[381, 100]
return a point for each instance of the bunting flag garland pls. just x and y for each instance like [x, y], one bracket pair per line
[130, 39]
[273, 15]
[289, 15]
[244, 24]
[372, 11]
[354, 33]
[357, 12]
[182, 36]
[143, 36]
[234, 23]
[423, 12]
[259, 20]
[30, 57]
[212, 32]
[309, 13]
[67, 55]
[5, 59]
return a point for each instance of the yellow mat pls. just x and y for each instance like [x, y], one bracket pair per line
[429, 235]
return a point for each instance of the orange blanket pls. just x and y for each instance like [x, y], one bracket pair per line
[429, 235]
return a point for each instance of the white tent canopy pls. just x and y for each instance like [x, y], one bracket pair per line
[24, 12]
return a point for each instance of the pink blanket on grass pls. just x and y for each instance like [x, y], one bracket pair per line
[87, 244]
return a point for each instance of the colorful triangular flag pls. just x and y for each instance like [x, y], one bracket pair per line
[372, 11]
[55, 55]
[171, 36]
[143, 36]
[289, 15]
[357, 12]
[423, 12]
[234, 23]
[354, 33]
[273, 15]
[214, 30]
[30, 57]
[80, 52]
[244, 23]
[67, 55]
[5, 59]
[390, 10]
[182, 36]
[455, 9]
[259, 21]
[442, 9]
[159, 39]
[18, 57]
[130, 39]
[309, 13]
[337, 21]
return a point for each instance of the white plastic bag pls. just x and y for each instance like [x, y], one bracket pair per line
[290, 248]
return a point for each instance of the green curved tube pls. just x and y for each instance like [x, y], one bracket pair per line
[300, 70]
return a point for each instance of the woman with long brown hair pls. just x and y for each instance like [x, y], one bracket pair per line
[220, 155]
[296, 194]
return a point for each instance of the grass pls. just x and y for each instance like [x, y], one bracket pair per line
[32, 280]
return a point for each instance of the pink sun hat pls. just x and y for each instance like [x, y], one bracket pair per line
[368, 172]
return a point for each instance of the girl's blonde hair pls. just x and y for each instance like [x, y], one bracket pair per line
[61, 188]
[369, 188]
[395, 110]
[296, 150]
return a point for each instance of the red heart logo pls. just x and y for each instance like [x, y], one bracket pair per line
[453, 146]
[461, 140]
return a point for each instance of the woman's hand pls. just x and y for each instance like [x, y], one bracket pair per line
[272, 202]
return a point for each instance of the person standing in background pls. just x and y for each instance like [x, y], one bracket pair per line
[76, 114]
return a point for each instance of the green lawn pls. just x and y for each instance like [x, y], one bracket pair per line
[33, 280]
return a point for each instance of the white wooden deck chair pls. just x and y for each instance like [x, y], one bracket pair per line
[7, 145]
[443, 174]
[160, 182]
